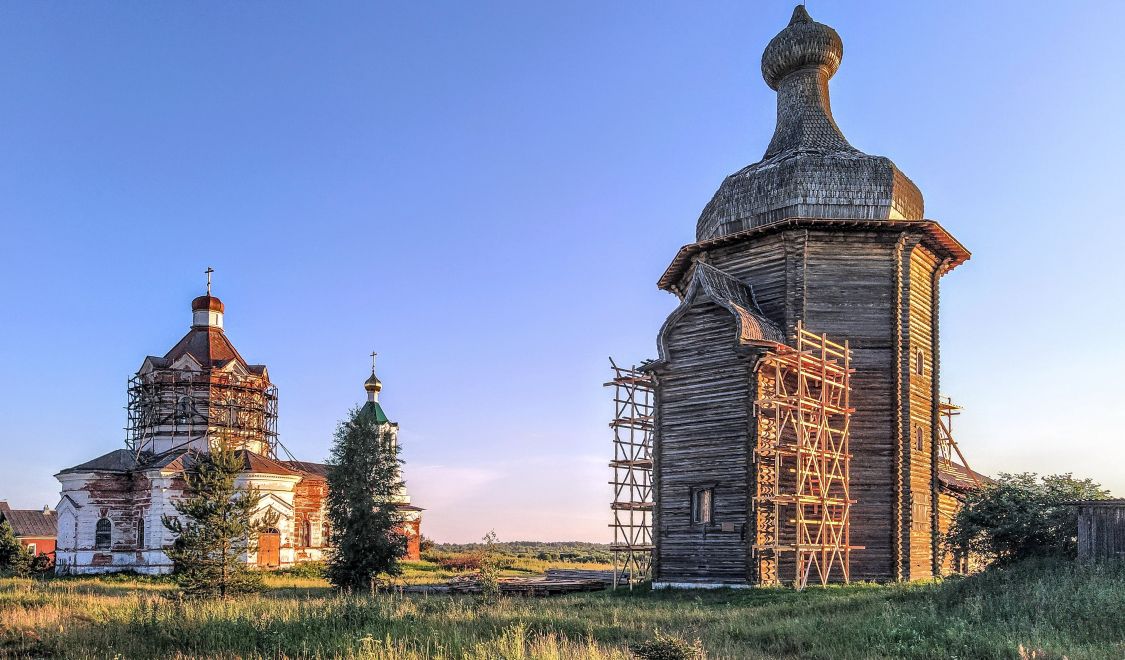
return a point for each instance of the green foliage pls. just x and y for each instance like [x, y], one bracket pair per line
[1021, 516]
[576, 552]
[305, 569]
[215, 528]
[1051, 608]
[667, 647]
[488, 576]
[362, 485]
[14, 558]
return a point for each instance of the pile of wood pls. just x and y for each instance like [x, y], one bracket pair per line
[546, 585]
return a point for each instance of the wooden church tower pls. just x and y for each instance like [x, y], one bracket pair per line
[815, 235]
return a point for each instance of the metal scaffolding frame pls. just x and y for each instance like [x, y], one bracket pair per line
[802, 498]
[183, 406]
[632, 506]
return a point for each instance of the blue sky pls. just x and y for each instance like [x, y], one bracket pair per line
[486, 194]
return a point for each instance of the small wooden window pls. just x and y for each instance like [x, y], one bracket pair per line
[920, 362]
[103, 534]
[702, 506]
[919, 516]
[919, 438]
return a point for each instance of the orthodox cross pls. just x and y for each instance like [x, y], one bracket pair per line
[373, 354]
[208, 272]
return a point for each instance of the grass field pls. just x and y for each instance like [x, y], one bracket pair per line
[1048, 609]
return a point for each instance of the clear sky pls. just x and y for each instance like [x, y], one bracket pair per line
[486, 194]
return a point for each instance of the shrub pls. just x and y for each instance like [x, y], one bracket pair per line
[667, 647]
[307, 569]
[460, 563]
[1021, 516]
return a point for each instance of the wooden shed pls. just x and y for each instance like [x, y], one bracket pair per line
[1101, 530]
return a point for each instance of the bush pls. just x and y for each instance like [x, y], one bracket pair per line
[307, 569]
[667, 647]
[460, 563]
[1021, 516]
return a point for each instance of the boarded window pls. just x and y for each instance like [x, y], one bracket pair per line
[306, 534]
[702, 506]
[103, 534]
[919, 515]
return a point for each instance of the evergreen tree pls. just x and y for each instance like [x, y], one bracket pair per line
[362, 483]
[218, 526]
[14, 558]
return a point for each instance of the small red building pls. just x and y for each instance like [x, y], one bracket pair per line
[35, 528]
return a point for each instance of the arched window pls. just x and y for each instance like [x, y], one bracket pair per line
[141, 534]
[919, 438]
[919, 362]
[325, 534]
[103, 534]
[306, 533]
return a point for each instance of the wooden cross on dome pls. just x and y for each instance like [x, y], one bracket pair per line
[208, 273]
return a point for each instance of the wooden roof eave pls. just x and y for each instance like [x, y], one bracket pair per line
[936, 237]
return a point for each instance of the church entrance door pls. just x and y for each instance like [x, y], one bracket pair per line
[269, 549]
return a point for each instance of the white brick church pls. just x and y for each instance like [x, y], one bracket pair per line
[202, 392]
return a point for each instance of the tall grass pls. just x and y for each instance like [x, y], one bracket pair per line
[1048, 609]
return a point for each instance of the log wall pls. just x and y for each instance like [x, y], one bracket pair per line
[704, 414]
[877, 290]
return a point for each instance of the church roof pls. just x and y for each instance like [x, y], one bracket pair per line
[309, 469]
[126, 460]
[738, 299]
[118, 460]
[373, 410]
[960, 477]
[208, 345]
[809, 168]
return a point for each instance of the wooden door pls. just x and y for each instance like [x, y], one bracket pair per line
[269, 549]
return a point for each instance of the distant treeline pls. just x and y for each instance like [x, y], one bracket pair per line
[566, 551]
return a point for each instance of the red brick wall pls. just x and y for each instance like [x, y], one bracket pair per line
[413, 532]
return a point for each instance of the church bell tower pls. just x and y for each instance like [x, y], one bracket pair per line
[820, 235]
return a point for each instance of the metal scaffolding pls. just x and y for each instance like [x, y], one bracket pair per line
[802, 500]
[632, 474]
[173, 408]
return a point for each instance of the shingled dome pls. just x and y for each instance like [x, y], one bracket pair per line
[809, 168]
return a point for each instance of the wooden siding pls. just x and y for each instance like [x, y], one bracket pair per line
[704, 401]
[876, 289]
[920, 476]
[1101, 531]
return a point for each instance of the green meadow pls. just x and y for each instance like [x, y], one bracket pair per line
[1038, 610]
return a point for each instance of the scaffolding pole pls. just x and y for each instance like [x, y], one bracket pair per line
[802, 462]
[631, 467]
[947, 446]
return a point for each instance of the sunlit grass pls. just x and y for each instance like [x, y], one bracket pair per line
[1055, 609]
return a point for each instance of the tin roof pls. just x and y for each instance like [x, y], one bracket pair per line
[32, 523]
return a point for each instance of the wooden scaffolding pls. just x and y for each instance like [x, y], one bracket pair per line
[802, 501]
[632, 504]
